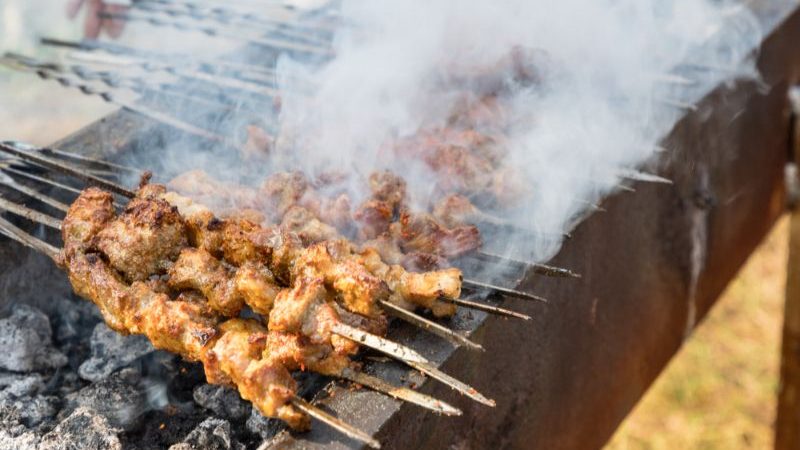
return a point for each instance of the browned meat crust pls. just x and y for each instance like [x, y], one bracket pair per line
[144, 239]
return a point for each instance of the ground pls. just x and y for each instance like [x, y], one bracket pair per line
[719, 392]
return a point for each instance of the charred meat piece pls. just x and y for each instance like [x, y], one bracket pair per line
[237, 358]
[421, 232]
[374, 218]
[389, 250]
[87, 215]
[286, 248]
[306, 309]
[485, 113]
[459, 169]
[388, 187]
[520, 67]
[197, 184]
[409, 289]
[455, 210]
[256, 284]
[227, 290]
[423, 262]
[295, 352]
[377, 325]
[354, 285]
[334, 211]
[387, 247]
[204, 229]
[244, 241]
[197, 269]
[144, 239]
[202, 187]
[283, 190]
[307, 226]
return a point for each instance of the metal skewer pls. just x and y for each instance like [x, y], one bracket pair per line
[408, 356]
[390, 348]
[400, 393]
[13, 232]
[215, 8]
[429, 325]
[86, 159]
[132, 105]
[541, 269]
[30, 214]
[121, 55]
[228, 21]
[453, 383]
[272, 43]
[478, 285]
[41, 179]
[33, 193]
[396, 350]
[334, 422]
[486, 308]
[114, 81]
[47, 182]
[67, 169]
[153, 114]
[642, 176]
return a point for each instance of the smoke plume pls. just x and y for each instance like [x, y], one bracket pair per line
[594, 86]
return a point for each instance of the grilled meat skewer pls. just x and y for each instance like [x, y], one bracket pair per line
[147, 223]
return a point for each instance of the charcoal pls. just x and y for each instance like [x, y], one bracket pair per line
[19, 385]
[223, 401]
[74, 318]
[261, 426]
[22, 393]
[211, 434]
[32, 410]
[14, 435]
[112, 351]
[118, 398]
[25, 337]
[68, 382]
[83, 429]
[24, 441]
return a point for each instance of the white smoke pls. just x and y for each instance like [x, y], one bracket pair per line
[610, 89]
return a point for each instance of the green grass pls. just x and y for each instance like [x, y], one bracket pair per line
[719, 392]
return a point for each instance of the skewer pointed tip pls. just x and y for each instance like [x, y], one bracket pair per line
[465, 389]
[410, 357]
[487, 308]
[334, 422]
[472, 284]
[429, 325]
[401, 393]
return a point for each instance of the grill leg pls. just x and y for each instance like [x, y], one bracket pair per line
[787, 425]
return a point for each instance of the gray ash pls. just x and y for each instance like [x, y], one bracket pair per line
[67, 382]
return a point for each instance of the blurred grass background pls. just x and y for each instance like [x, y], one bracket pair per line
[720, 390]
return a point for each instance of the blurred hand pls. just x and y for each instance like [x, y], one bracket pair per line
[94, 24]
